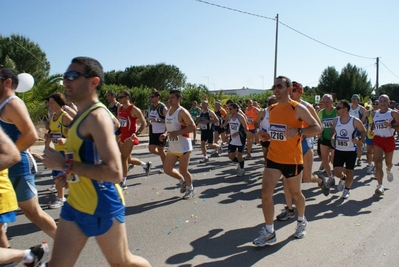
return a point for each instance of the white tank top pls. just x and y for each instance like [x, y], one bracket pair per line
[235, 128]
[344, 135]
[265, 124]
[178, 144]
[379, 127]
[157, 127]
[355, 112]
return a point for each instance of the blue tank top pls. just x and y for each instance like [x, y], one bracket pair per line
[26, 165]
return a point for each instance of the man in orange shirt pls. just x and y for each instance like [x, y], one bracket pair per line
[285, 157]
[252, 113]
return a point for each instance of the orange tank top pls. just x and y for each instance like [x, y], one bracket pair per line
[284, 150]
[251, 116]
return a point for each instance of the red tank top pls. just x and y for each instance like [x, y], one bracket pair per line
[128, 122]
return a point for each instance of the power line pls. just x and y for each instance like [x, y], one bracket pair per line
[389, 69]
[289, 27]
[12, 39]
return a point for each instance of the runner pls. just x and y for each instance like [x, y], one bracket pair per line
[157, 115]
[128, 116]
[252, 113]
[206, 121]
[238, 129]
[194, 112]
[221, 114]
[369, 138]
[113, 106]
[285, 157]
[92, 162]
[346, 143]
[16, 123]
[385, 123]
[179, 125]
[59, 122]
[359, 112]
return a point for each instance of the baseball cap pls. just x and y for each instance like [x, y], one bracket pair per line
[356, 96]
[297, 86]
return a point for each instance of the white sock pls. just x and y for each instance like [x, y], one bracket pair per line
[270, 228]
[124, 180]
[143, 164]
[301, 219]
[28, 257]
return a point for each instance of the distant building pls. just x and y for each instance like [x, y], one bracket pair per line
[240, 92]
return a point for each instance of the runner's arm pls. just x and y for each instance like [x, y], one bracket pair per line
[9, 154]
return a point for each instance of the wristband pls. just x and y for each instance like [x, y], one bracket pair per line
[68, 166]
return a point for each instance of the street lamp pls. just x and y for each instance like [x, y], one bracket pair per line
[208, 80]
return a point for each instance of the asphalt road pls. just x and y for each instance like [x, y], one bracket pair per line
[217, 227]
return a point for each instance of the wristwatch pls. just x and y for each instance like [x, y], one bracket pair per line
[300, 131]
[68, 166]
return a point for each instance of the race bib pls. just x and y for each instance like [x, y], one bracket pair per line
[71, 177]
[250, 119]
[327, 123]
[204, 126]
[123, 122]
[379, 125]
[217, 123]
[55, 136]
[277, 132]
[342, 141]
[174, 139]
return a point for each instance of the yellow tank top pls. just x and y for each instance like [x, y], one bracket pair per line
[8, 199]
[57, 130]
[87, 194]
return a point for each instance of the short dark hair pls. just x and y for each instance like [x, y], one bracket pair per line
[126, 93]
[234, 105]
[92, 67]
[346, 104]
[111, 92]
[9, 73]
[288, 82]
[59, 98]
[228, 102]
[177, 93]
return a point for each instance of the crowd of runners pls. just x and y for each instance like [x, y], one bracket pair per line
[89, 147]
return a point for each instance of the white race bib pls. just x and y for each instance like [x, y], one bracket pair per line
[277, 132]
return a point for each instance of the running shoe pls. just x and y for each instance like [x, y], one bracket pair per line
[220, 150]
[369, 169]
[389, 175]
[341, 185]
[345, 194]
[241, 172]
[215, 154]
[359, 162]
[183, 187]
[265, 238]
[147, 168]
[40, 253]
[248, 157]
[380, 190]
[204, 160]
[53, 188]
[331, 181]
[323, 185]
[190, 192]
[130, 167]
[57, 203]
[300, 230]
[286, 214]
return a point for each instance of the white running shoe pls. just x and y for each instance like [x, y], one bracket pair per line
[380, 190]
[341, 185]
[345, 194]
[389, 175]
[370, 168]
[265, 238]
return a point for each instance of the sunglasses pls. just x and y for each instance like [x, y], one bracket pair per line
[375, 104]
[294, 90]
[121, 96]
[73, 75]
[153, 96]
[278, 86]
[338, 108]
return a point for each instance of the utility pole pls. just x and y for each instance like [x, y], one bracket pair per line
[275, 51]
[377, 91]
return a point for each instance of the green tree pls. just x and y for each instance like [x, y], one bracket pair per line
[328, 81]
[24, 56]
[353, 80]
[390, 89]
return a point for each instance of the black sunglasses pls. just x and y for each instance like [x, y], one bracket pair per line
[121, 96]
[278, 86]
[338, 108]
[72, 75]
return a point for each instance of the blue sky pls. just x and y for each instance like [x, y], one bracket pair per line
[213, 46]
